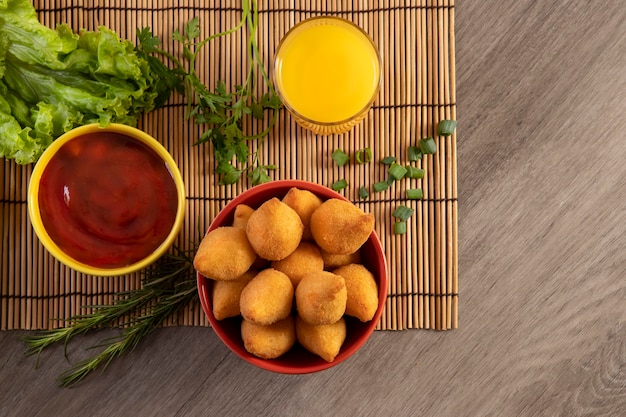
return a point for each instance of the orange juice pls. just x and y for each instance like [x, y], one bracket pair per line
[327, 73]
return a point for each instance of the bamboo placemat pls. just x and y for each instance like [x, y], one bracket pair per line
[416, 42]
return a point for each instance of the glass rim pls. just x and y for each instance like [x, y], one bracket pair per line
[369, 103]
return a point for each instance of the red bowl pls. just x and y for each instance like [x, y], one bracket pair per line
[297, 360]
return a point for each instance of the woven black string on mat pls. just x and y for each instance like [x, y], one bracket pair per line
[416, 42]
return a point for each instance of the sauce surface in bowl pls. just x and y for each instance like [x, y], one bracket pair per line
[107, 200]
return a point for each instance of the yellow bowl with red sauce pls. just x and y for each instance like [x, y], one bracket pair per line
[106, 200]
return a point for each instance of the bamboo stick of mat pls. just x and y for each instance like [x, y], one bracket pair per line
[416, 41]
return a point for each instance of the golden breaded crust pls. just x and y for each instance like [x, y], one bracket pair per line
[362, 300]
[323, 340]
[226, 295]
[306, 258]
[267, 298]
[224, 254]
[271, 341]
[334, 260]
[274, 230]
[241, 216]
[340, 227]
[304, 202]
[321, 297]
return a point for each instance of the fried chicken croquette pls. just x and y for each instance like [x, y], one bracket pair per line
[226, 295]
[306, 258]
[274, 230]
[323, 340]
[334, 260]
[241, 216]
[271, 341]
[304, 203]
[362, 290]
[321, 297]
[267, 298]
[224, 254]
[340, 227]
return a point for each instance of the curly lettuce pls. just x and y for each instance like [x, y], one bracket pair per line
[52, 80]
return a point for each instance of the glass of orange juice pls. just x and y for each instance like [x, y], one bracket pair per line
[327, 74]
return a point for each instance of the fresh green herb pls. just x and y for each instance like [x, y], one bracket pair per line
[220, 111]
[166, 80]
[414, 193]
[399, 228]
[414, 173]
[363, 193]
[340, 157]
[259, 174]
[167, 286]
[403, 213]
[54, 80]
[380, 186]
[415, 154]
[397, 171]
[388, 160]
[76, 84]
[363, 156]
[340, 185]
[446, 127]
[428, 145]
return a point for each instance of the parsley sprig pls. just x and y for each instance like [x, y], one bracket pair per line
[220, 111]
[170, 284]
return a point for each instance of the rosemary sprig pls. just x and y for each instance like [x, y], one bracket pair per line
[221, 111]
[167, 286]
[170, 284]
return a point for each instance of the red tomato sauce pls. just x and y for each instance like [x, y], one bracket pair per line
[107, 200]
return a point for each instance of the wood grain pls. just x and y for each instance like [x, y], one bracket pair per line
[541, 91]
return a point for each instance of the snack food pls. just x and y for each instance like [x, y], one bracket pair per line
[304, 203]
[321, 297]
[274, 230]
[241, 216]
[224, 254]
[267, 298]
[306, 258]
[268, 342]
[304, 274]
[226, 295]
[340, 227]
[362, 291]
[334, 260]
[323, 340]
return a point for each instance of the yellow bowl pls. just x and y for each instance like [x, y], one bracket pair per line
[136, 139]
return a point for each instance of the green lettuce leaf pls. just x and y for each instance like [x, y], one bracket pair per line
[52, 80]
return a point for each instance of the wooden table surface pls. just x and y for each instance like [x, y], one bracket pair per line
[541, 89]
